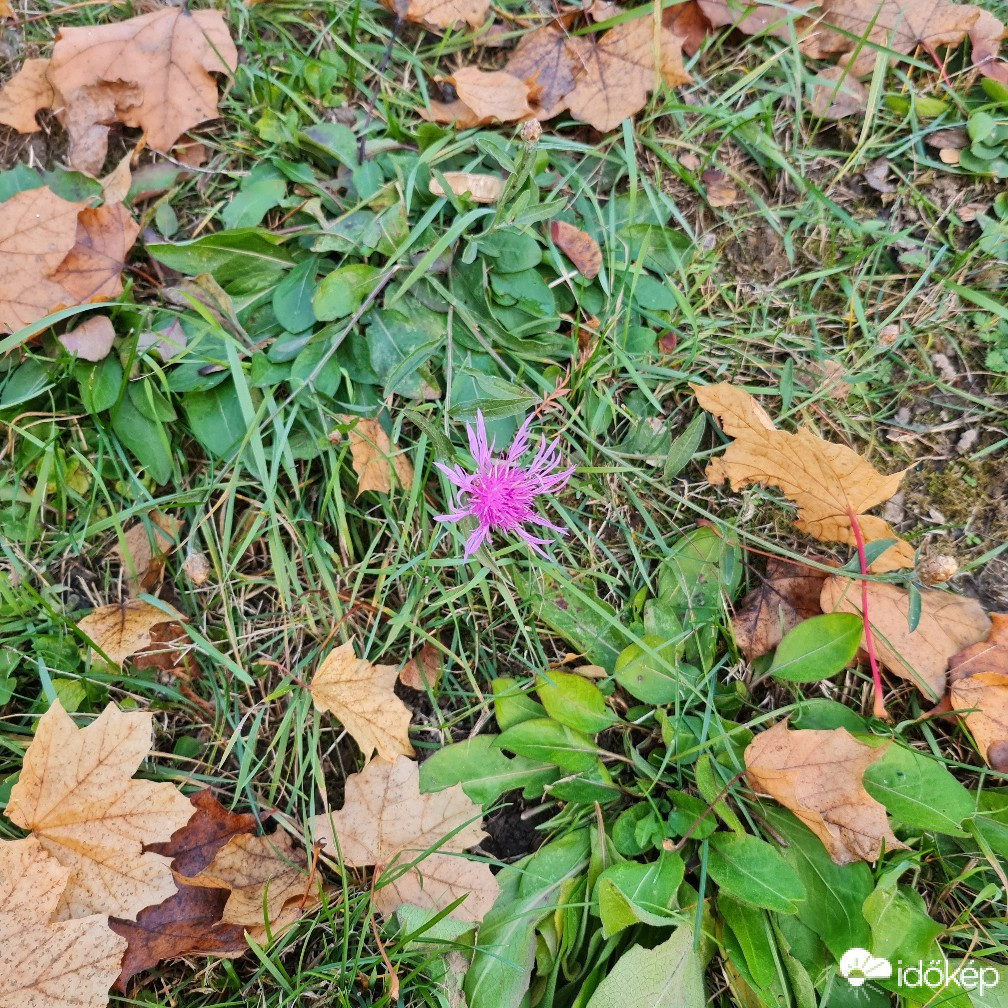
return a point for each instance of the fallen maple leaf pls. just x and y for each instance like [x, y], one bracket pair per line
[27, 93]
[688, 21]
[361, 697]
[978, 689]
[188, 922]
[92, 269]
[985, 38]
[423, 670]
[440, 13]
[77, 794]
[484, 97]
[755, 18]
[948, 623]
[579, 247]
[372, 456]
[91, 340]
[621, 69]
[121, 631]
[116, 185]
[788, 594]
[548, 60]
[167, 57]
[817, 775]
[832, 485]
[144, 547]
[43, 964]
[386, 822]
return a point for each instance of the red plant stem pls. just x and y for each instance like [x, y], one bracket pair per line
[879, 705]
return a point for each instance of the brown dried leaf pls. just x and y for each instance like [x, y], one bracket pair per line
[479, 188]
[91, 340]
[372, 456]
[688, 21]
[92, 270]
[116, 185]
[756, 18]
[25, 94]
[86, 115]
[788, 595]
[978, 678]
[386, 822]
[719, 187]
[37, 230]
[580, 248]
[121, 631]
[817, 775]
[620, 70]
[361, 697]
[44, 964]
[76, 793]
[548, 60]
[948, 623]
[144, 547]
[493, 95]
[440, 13]
[828, 482]
[837, 93]
[168, 55]
[423, 670]
[985, 38]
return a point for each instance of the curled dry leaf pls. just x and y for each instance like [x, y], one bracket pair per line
[373, 457]
[948, 623]
[480, 188]
[386, 822]
[978, 688]
[484, 97]
[580, 248]
[44, 964]
[719, 187]
[116, 185]
[361, 697]
[121, 631]
[985, 39]
[25, 94]
[91, 340]
[621, 69]
[831, 484]
[423, 670]
[817, 775]
[144, 547]
[788, 594]
[92, 269]
[77, 794]
[440, 13]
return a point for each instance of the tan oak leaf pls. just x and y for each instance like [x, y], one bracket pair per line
[373, 457]
[387, 823]
[47, 964]
[121, 631]
[817, 775]
[440, 13]
[77, 795]
[25, 94]
[978, 688]
[947, 624]
[830, 483]
[361, 696]
[547, 59]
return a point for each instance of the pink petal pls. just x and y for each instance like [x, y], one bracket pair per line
[474, 541]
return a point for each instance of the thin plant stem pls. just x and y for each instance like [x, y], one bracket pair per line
[879, 708]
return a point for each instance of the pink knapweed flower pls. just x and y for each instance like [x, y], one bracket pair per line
[501, 494]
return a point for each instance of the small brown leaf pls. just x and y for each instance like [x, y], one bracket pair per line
[830, 483]
[116, 185]
[688, 21]
[817, 775]
[479, 188]
[837, 93]
[620, 71]
[985, 39]
[373, 458]
[91, 340]
[386, 822]
[580, 248]
[423, 670]
[144, 547]
[788, 595]
[755, 18]
[493, 95]
[948, 623]
[548, 60]
[92, 270]
[25, 94]
[45, 964]
[440, 13]
[121, 631]
[719, 187]
[978, 678]
[360, 695]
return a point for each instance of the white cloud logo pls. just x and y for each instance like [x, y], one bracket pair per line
[858, 965]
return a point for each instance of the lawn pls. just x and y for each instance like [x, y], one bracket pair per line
[305, 333]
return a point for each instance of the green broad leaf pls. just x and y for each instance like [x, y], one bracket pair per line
[342, 292]
[334, 139]
[899, 921]
[689, 815]
[699, 568]
[754, 939]
[682, 450]
[549, 741]
[586, 788]
[574, 701]
[215, 418]
[511, 251]
[261, 190]
[578, 615]
[145, 438]
[20, 178]
[512, 705]
[399, 344]
[818, 648]
[633, 893]
[484, 772]
[99, 384]
[752, 871]
[637, 830]
[416, 926]
[824, 714]
[653, 672]
[980, 126]
[7, 686]
[530, 891]
[647, 292]
[28, 380]
[669, 975]
[226, 255]
[917, 790]
[526, 290]
[292, 297]
[835, 894]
